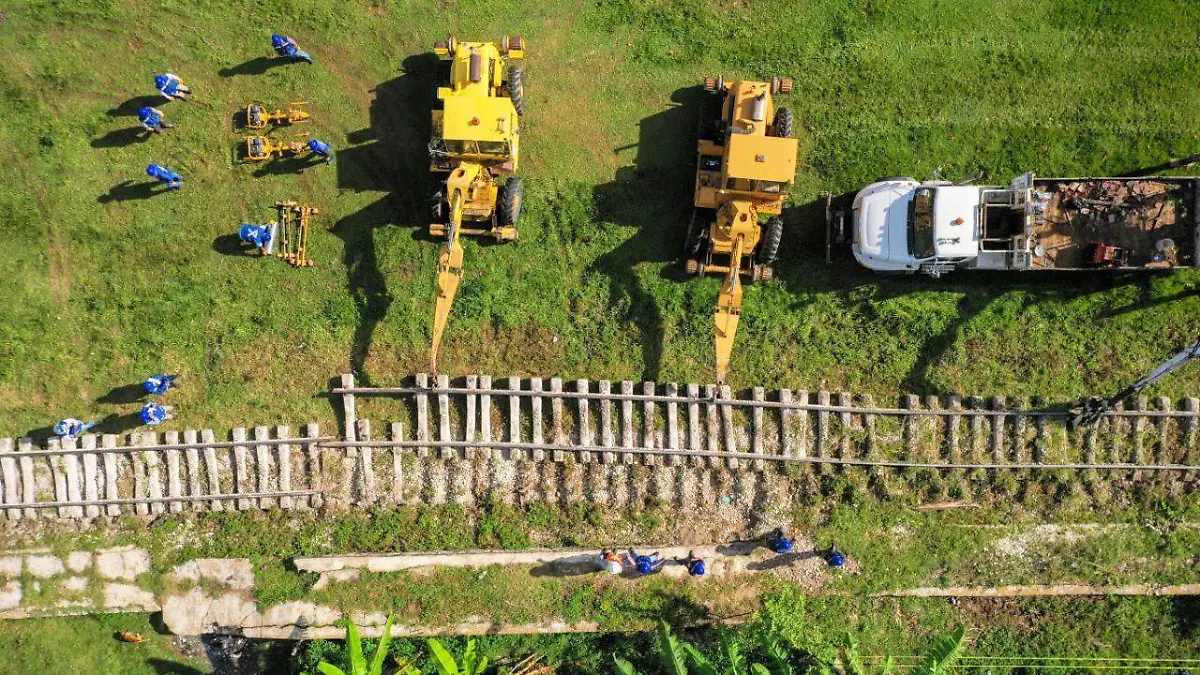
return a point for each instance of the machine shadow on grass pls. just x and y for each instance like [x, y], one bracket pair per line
[654, 197]
[389, 156]
[803, 270]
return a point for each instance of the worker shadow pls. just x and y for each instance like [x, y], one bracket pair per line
[124, 394]
[651, 199]
[256, 66]
[573, 566]
[131, 107]
[118, 423]
[126, 191]
[120, 138]
[40, 434]
[388, 156]
[232, 245]
[780, 561]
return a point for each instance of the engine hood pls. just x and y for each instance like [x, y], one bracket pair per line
[881, 221]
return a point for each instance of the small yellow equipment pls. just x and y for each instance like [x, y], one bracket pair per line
[746, 158]
[261, 148]
[293, 232]
[476, 130]
[259, 117]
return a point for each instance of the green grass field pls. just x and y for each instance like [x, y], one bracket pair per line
[104, 286]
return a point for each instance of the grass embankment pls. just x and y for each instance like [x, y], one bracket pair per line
[104, 286]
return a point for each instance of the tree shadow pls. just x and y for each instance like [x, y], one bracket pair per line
[164, 667]
[131, 107]
[123, 395]
[654, 197]
[130, 191]
[390, 155]
[120, 138]
[256, 66]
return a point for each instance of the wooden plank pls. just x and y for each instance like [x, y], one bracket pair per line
[241, 470]
[212, 470]
[584, 433]
[672, 390]
[192, 457]
[74, 478]
[648, 414]
[845, 424]
[444, 435]
[607, 437]
[153, 473]
[397, 430]
[998, 403]
[514, 415]
[366, 457]
[56, 474]
[535, 406]
[821, 436]
[139, 474]
[694, 429]
[284, 451]
[422, 380]
[556, 418]
[8, 470]
[262, 461]
[757, 432]
[727, 423]
[316, 467]
[786, 444]
[485, 413]
[91, 475]
[108, 442]
[627, 431]
[712, 415]
[472, 401]
[174, 483]
[803, 432]
[349, 416]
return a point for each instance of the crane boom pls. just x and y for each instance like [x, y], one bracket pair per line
[1094, 408]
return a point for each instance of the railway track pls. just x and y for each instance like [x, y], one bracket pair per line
[617, 444]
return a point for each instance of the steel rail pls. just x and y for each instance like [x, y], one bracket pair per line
[168, 446]
[133, 501]
[747, 403]
[783, 459]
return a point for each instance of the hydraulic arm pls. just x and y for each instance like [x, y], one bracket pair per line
[1094, 408]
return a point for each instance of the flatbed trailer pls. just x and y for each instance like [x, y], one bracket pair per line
[900, 225]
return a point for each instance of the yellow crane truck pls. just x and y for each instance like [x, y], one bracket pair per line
[746, 159]
[476, 129]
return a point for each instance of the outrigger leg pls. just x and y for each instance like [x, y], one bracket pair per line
[450, 274]
[728, 311]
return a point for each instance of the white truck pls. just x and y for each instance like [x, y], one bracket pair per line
[904, 226]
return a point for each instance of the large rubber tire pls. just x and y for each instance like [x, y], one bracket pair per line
[696, 235]
[516, 88]
[510, 202]
[784, 126]
[772, 235]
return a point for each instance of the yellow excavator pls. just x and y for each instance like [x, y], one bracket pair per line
[746, 159]
[476, 129]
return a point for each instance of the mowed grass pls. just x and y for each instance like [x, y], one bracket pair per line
[102, 287]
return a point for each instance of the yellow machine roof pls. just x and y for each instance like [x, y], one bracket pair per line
[477, 118]
[761, 157]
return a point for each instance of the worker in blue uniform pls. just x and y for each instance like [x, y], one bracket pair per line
[320, 149]
[834, 558]
[155, 414]
[72, 428]
[157, 385]
[169, 85]
[287, 48]
[779, 542]
[695, 565]
[258, 236]
[161, 173]
[153, 120]
[646, 564]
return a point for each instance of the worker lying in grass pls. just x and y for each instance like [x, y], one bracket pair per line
[287, 48]
[72, 428]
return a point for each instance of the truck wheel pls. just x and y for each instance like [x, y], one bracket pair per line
[696, 234]
[783, 126]
[516, 88]
[772, 235]
[510, 202]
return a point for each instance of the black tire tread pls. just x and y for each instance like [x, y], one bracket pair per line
[510, 202]
[516, 88]
[772, 236]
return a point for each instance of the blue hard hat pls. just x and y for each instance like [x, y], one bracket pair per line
[643, 566]
[145, 111]
[278, 40]
[152, 169]
[62, 428]
[160, 81]
[696, 569]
